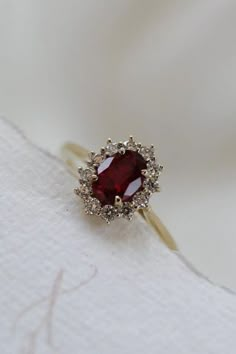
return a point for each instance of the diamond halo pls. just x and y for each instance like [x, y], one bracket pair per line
[120, 208]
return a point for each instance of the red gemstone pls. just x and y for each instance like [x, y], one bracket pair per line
[119, 175]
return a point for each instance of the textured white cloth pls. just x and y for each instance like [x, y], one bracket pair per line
[72, 284]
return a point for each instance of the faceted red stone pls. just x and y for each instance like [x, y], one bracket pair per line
[119, 175]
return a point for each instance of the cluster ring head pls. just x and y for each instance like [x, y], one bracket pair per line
[122, 205]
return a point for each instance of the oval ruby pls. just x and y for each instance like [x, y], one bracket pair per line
[119, 175]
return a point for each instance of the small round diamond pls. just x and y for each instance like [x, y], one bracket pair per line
[127, 211]
[109, 212]
[147, 152]
[84, 190]
[152, 185]
[131, 145]
[85, 174]
[141, 200]
[92, 206]
[111, 149]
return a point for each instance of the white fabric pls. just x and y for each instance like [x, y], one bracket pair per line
[72, 284]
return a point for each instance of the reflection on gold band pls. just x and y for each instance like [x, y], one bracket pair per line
[73, 154]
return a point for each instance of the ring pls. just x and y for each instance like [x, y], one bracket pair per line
[118, 181]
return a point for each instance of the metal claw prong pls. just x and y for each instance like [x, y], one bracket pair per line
[118, 201]
[131, 138]
[109, 141]
[144, 172]
[91, 155]
[94, 178]
[103, 150]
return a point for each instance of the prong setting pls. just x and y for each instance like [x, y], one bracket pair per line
[118, 201]
[145, 173]
[91, 155]
[94, 178]
[131, 139]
